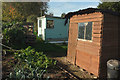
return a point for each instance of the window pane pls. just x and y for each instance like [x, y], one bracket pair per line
[81, 27]
[88, 35]
[50, 24]
[40, 23]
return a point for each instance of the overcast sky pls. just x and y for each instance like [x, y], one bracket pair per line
[57, 7]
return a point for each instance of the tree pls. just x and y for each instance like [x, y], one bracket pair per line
[14, 36]
[11, 14]
[50, 14]
[21, 11]
[114, 6]
[26, 8]
[33, 18]
[63, 15]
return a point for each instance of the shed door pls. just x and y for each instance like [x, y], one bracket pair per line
[40, 27]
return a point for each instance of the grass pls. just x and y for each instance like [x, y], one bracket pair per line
[52, 50]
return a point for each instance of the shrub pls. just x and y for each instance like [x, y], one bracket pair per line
[32, 18]
[31, 64]
[14, 36]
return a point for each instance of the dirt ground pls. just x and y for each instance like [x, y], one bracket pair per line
[78, 72]
[7, 65]
[64, 70]
[55, 73]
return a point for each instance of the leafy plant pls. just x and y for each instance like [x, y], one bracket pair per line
[10, 13]
[31, 64]
[14, 36]
[114, 6]
[22, 73]
[33, 18]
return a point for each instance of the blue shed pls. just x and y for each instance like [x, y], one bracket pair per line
[51, 28]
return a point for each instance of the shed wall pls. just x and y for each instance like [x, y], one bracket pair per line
[59, 32]
[119, 38]
[109, 42]
[85, 53]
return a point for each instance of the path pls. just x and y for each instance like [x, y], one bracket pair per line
[73, 69]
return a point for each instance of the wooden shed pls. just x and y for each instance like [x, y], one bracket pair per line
[93, 39]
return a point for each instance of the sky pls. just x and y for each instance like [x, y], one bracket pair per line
[65, 6]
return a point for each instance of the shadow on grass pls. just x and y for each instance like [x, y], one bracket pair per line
[51, 50]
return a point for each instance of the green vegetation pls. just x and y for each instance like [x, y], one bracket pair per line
[33, 19]
[63, 15]
[114, 6]
[19, 12]
[11, 14]
[30, 64]
[52, 50]
[14, 36]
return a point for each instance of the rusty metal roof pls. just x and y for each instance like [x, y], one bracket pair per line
[88, 11]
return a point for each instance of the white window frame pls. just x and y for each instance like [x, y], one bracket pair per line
[85, 33]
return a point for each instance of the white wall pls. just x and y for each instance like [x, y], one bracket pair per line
[41, 30]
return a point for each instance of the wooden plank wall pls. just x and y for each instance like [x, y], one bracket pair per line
[85, 53]
[109, 42]
[119, 37]
[72, 42]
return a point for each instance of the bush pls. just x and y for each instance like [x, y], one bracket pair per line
[35, 59]
[14, 36]
[33, 18]
[31, 64]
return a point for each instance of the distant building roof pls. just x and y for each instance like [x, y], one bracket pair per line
[52, 17]
[88, 11]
